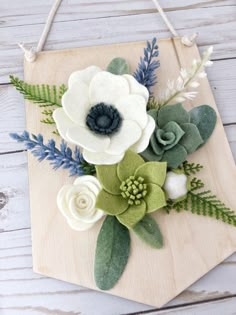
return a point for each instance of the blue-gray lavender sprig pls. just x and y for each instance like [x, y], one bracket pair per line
[59, 158]
[145, 73]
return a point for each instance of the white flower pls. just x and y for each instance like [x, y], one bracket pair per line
[105, 114]
[77, 203]
[176, 185]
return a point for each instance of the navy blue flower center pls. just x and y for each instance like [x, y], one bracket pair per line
[103, 119]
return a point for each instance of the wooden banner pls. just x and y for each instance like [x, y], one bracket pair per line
[193, 245]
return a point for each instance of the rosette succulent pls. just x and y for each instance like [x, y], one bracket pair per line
[131, 188]
[105, 114]
[178, 133]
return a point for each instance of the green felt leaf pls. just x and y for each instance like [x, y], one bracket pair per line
[192, 139]
[153, 172]
[118, 66]
[174, 113]
[175, 156]
[148, 231]
[204, 117]
[155, 198]
[111, 204]
[112, 253]
[156, 147]
[107, 176]
[129, 164]
[150, 155]
[132, 215]
[172, 133]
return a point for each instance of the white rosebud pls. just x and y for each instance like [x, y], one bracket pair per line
[176, 185]
[77, 203]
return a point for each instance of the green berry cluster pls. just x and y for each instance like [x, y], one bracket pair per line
[134, 189]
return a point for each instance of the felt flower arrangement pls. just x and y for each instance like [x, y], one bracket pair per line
[130, 154]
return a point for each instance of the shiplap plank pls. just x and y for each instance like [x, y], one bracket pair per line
[216, 25]
[221, 307]
[222, 76]
[14, 209]
[35, 12]
[22, 290]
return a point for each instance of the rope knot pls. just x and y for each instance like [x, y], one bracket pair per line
[30, 54]
[189, 40]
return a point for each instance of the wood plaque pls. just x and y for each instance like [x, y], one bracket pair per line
[193, 245]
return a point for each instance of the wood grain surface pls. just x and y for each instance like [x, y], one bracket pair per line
[22, 291]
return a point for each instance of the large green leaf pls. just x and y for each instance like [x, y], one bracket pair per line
[118, 66]
[112, 253]
[204, 117]
[148, 231]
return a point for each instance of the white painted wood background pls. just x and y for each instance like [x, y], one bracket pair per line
[89, 22]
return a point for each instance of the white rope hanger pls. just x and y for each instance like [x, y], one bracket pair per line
[31, 54]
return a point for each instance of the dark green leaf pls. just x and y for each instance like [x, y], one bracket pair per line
[148, 231]
[204, 117]
[118, 66]
[112, 253]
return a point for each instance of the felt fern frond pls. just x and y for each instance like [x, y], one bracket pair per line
[44, 95]
[203, 203]
[191, 168]
[59, 158]
[145, 73]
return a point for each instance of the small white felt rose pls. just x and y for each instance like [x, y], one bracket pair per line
[176, 185]
[77, 203]
[105, 114]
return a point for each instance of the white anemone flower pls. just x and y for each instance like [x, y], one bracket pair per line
[104, 114]
[77, 203]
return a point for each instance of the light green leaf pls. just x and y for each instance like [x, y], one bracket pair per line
[129, 164]
[153, 172]
[204, 117]
[155, 198]
[107, 176]
[148, 231]
[118, 66]
[174, 113]
[111, 204]
[112, 253]
[192, 139]
[132, 215]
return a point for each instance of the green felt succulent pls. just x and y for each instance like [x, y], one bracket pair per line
[179, 133]
[131, 188]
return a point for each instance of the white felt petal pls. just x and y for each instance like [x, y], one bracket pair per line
[75, 102]
[62, 202]
[176, 185]
[133, 107]
[85, 75]
[90, 182]
[101, 158]
[85, 138]
[136, 87]
[63, 122]
[107, 88]
[122, 140]
[143, 142]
